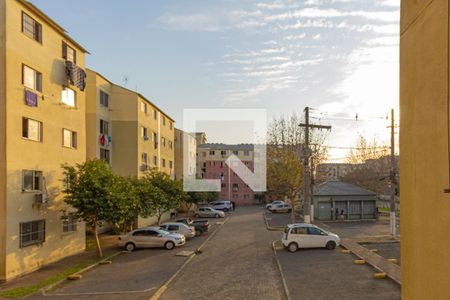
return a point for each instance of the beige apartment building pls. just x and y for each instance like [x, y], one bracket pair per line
[42, 126]
[185, 147]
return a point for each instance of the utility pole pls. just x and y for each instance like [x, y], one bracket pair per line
[306, 166]
[393, 218]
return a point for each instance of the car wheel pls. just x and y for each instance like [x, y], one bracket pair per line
[169, 245]
[216, 216]
[331, 245]
[130, 247]
[198, 232]
[292, 247]
[197, 216]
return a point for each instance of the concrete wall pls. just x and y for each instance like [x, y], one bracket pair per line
[46, 156]
[424, 147]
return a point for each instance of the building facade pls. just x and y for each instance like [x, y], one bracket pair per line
[332, 171]
[185, 144]
[424, 148]
[127, 130]
[42, 126]
[211, 164]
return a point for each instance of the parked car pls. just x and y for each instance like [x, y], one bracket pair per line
[302, 235]
[149, 237]
[274, 203]
[174, 227]
[201, 226]
[280, 208]
[222, 205]
[209, 212]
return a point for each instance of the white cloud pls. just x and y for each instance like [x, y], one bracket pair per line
[193, 22]
[316, 37]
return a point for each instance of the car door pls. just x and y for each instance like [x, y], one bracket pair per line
[139, 238]
[300, 236]
[173, 228]
[153, 238]
[201, 212]
[317, 237]
[208, 212]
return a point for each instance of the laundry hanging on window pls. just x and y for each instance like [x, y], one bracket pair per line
[76, 75]
[31, 99]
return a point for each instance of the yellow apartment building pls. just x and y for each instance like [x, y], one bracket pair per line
[42, 126]
[424, 147]
[127, 130]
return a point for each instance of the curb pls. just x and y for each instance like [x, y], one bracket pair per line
[53, 285]
[164, 287]
[283, 280]
[272, 228]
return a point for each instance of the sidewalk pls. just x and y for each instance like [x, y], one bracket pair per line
[60, 269]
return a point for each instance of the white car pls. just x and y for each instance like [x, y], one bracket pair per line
[149, 237]
[187, 231]
[281, 208]
[222, 205]
[274, 203]
[302, 235]
[209, 212]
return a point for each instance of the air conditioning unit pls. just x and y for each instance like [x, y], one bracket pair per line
[146, 138]
[40, 198]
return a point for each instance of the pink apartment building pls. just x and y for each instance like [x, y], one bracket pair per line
[211, 165]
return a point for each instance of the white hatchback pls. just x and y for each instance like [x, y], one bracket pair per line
[302, 235]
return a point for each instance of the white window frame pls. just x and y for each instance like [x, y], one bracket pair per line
[33, 83]
[36, 175]
[39, 131]
[72, 137]
[66, 99]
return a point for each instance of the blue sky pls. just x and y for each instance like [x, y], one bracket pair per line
[338, 56]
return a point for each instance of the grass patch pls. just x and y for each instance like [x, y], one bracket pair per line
[31, 289]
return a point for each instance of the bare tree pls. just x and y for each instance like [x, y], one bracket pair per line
[284, 159]
[365, 150]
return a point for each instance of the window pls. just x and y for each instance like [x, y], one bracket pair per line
[299, 230]
[223, 185]
[31, 181]
[223, 153]
[104, 99]
[31, 28]
[144, 107]
[155, 137]
[170, 164]
[144, 132]
[155, 114]
[70, 224]
[104, 154]
[68, 97]
[32, 233]
[163, 163]
[104, 127]
[212, 152]
[170, 125]
[235, 196]
[246, 196]
[31, 78]
[144, 158]
[246, 153]
[314, 231]
[170, 145]
[155, 160]
[68, 53]
[163, 141]
[32, 130]
[235, 152]
[163, 121]
[69, 138]
[235, 187]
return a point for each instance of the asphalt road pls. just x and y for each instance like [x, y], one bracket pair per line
[236, 264]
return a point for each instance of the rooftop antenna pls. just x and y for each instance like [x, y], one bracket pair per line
[125, 80]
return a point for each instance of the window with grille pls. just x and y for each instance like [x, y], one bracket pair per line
[31, 78]
[32, 233]
[70, 224]
[144, 132]
[31, 28]
[155, 160]
[144, 158]
[69, 139]
[32, 129]
[164, 163]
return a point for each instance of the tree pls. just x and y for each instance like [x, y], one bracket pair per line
[365, 150]
[88, 189]
[126, 203]
[199, 197]
[164, 195]
[284, 158]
